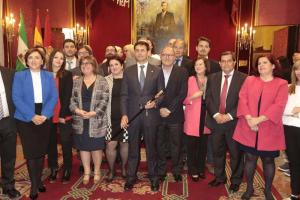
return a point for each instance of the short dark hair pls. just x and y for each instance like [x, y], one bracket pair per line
[69, 40]
[202, 38]
[142, 43]
[273, 60]
[92, 60]
[50, 63]
[115, 57]
[225, 53]
[30, 51]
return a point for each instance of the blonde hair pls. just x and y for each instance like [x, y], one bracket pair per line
[294, 80]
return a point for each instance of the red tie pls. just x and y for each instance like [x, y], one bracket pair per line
[223, 95]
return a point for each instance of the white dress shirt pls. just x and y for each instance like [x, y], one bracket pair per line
[293, 101]
[73, 64]
[229, 79]
[145, 69]
[3, 98]
[167, 72]
[37, 86]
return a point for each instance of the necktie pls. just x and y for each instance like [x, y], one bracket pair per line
[142, 77]
[69, 65]
[177, 62]
[1, 109]
[223, 95]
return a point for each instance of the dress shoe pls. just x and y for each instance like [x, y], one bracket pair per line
[154, 186]
[202, 175]
[247, 195]
[33, 196]
[128, 186]
[215, 183]
[66, 176]
[42, 188]
[195, 178]
[52, 176]
[234, 188]
[11, 193]
[177, 177]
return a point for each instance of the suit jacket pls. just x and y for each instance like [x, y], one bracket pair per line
[274, 95]
[23, 95]
[166, 21]
[175, 93]
[213, 66]
[7, 76]
[133, 98]
[213, 98]
[65, 93]
[103, 69]
[188, 64]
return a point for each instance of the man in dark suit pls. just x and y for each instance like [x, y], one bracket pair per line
[165, 22]
[139, 85]
[174, 80]
[222, 99]
[181, 59]
[8, 134]
[203, 48]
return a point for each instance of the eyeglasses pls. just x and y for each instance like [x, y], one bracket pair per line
[167, 55]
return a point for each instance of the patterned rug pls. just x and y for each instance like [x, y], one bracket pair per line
[169, 189]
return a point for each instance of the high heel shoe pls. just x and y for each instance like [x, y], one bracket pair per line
[97, 177]
[53, 174]
[86, 179]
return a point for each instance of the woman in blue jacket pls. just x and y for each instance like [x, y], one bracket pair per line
[34, 95]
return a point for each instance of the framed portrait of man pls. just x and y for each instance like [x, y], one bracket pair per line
[160, 21]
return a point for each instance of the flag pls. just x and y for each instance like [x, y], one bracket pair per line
[1, 36]
[22, 45]
[47, 32]
[37, 40]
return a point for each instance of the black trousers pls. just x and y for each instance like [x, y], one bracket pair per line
[196, 153]
[222, 140]
[7, 153]
[65, 132]
[292, 139]
[172, 134]
[138, 128]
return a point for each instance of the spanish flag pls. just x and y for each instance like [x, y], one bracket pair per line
[37, 40]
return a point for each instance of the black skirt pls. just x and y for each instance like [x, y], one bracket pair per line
[34, 138]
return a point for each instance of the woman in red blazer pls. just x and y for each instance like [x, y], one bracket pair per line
[194, 113]
[259, 130]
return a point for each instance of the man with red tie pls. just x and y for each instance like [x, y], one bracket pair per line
[222, 99]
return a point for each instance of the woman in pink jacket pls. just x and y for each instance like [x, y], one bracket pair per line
[195, 111]
[259, 130]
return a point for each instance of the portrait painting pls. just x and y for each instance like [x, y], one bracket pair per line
[160, 21]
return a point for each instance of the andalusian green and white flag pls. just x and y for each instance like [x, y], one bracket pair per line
[22, 45]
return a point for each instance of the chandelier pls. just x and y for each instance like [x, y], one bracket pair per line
[245, 37]
[80, 35]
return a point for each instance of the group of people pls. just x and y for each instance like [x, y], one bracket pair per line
[180, 108]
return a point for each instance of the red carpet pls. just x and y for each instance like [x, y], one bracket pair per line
[169, 189]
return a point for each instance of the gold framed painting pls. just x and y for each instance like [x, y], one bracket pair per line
[160, 21]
